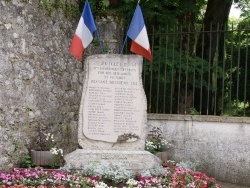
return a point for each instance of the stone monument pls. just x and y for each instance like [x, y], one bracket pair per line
[113, 114]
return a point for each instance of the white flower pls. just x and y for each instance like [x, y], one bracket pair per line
[49, 137]
[131, 182]
[60, 151]
[150, 144]
[54, 151]
[191, 185]
[46, 135]
[101, 185]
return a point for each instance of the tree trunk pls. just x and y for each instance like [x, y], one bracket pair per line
[113, 3]
[184, 93]
[216, 17]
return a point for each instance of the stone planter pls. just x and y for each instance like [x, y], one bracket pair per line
[41, 158]
[163, 156]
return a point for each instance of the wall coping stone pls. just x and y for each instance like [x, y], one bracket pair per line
[199, 118]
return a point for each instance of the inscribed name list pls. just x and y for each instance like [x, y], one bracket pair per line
[113, 102]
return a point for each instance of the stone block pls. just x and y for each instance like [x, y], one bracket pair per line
[138, 161]
[113, 103]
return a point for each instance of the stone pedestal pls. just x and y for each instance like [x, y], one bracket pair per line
[138, 161]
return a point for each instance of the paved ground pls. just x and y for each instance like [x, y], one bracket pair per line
[228, 185]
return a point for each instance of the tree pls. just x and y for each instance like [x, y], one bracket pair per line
[238, 103]
[162, 14]
[244, 5]
[216, 18]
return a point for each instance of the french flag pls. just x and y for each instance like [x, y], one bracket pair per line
[84, 33]
[138, 33]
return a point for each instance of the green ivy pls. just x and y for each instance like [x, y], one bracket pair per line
[27, 161]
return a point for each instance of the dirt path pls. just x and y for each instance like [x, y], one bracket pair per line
[229, 185]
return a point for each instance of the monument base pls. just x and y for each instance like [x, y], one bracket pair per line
[138, 161]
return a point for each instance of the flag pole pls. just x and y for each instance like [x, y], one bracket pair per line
[100, 41]
[99, 38]
[127, 35]
[124, 44]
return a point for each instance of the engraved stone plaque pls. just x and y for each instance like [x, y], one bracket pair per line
[113, 102]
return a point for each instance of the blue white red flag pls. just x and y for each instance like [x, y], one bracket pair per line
[84, 32]
[138, 33]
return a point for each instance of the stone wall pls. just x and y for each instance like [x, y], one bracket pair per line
[220, 145]
[41, 82]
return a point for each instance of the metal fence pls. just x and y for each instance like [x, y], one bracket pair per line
[198, 72]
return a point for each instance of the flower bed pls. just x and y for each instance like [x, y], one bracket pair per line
[174, 176]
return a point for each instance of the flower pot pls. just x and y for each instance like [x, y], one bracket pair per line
[163, 156]
[41, 158]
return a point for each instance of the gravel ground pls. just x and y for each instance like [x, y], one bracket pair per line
[229, 185]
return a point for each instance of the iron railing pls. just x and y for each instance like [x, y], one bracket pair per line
[198, 72]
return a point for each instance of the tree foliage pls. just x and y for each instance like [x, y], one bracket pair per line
[210, 56]
[156, 12]
[244, 6]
